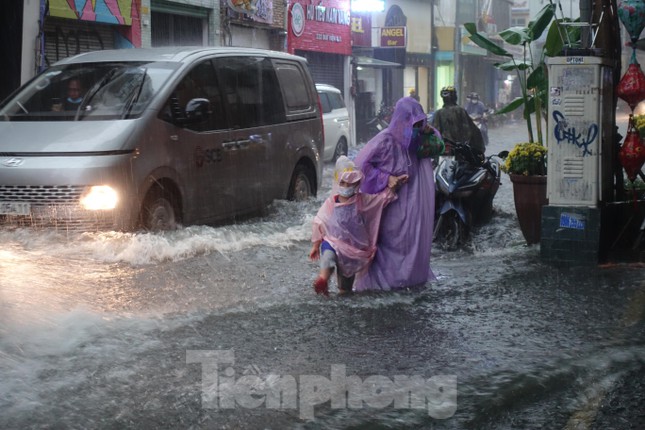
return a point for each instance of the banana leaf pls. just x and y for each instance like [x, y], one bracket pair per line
[484, 42]
[515, 35]
[513, 65]
[534, 86]
[541, 22]
[519, 101]
[537, 79]
[559, 35]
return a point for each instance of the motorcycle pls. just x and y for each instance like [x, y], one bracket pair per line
[378, 123]
[465, 188]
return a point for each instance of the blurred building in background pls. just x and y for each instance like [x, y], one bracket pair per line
[374, 51]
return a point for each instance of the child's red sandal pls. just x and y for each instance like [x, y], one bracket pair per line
[321, 286]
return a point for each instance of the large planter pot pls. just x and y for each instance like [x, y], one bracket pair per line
[529, 193]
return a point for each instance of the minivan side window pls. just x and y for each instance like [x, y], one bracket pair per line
[200, 82]
[293, 83]
[251, 91]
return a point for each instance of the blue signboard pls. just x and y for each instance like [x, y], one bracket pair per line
[568, 220]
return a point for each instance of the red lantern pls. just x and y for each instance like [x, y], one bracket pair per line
[631, 87]
[632, 152]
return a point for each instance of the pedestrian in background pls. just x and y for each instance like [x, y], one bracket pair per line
[454, 123]
[474, 106]
[479, 114]
[405, 236]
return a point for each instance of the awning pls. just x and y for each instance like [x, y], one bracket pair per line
[373, 62]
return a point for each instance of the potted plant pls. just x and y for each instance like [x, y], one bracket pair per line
[527, 159]
[526, 163]
[526, 166]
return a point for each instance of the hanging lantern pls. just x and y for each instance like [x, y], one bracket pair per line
[631, 87]
[632, 15]
[632, 152]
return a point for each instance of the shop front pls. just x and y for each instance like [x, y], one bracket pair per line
[72, 28]
[321, 33]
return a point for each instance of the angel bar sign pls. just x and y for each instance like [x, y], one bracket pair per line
[393, 37]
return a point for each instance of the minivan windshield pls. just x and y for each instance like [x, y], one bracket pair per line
[88, 91]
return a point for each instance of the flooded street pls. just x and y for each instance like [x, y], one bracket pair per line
[117, 330]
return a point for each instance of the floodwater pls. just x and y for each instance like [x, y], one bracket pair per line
[118, 330]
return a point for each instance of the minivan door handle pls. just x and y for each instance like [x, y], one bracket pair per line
[260, 138]
[256, 138]
[243, 143]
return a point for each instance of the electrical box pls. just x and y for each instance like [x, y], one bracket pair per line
[579, 135]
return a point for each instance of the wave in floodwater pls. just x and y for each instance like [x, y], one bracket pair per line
[286, 224]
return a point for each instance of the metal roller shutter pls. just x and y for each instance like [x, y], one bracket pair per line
[325, 68]
[64, 38]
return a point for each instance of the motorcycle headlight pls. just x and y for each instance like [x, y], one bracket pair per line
[99, 197]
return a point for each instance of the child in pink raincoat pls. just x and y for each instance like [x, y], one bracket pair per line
[346, 226]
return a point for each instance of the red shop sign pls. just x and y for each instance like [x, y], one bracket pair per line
[322, 27]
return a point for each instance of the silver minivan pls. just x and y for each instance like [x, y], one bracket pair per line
[152, 138]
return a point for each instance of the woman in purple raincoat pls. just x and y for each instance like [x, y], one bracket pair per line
[405, 235]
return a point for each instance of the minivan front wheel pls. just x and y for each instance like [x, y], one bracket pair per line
[158, 213]
[300, 187]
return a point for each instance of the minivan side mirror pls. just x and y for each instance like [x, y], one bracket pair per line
[197, 110]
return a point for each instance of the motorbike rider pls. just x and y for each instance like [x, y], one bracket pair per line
[454, 123]
[478, 112]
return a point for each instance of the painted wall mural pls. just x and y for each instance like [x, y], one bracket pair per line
[125, 13]
[107, 11]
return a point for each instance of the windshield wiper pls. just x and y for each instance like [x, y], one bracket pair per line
[135, 96]
[95, 89]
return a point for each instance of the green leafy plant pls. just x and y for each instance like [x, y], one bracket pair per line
[531, 70]
[526, 159]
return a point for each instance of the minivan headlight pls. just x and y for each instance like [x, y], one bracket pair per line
[99, 197]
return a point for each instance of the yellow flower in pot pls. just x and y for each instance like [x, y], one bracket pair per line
[526, 159]
[526, 166]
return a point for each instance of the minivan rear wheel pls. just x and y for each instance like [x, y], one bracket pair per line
[300, 187]
[158, 213]
[341, 149]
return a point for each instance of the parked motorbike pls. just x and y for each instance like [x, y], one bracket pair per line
[465, 188]
[376, 124]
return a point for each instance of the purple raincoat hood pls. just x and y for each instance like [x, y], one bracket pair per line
[407, 112]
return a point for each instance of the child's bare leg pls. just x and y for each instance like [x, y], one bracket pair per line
[325, 273]
[327, 264]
